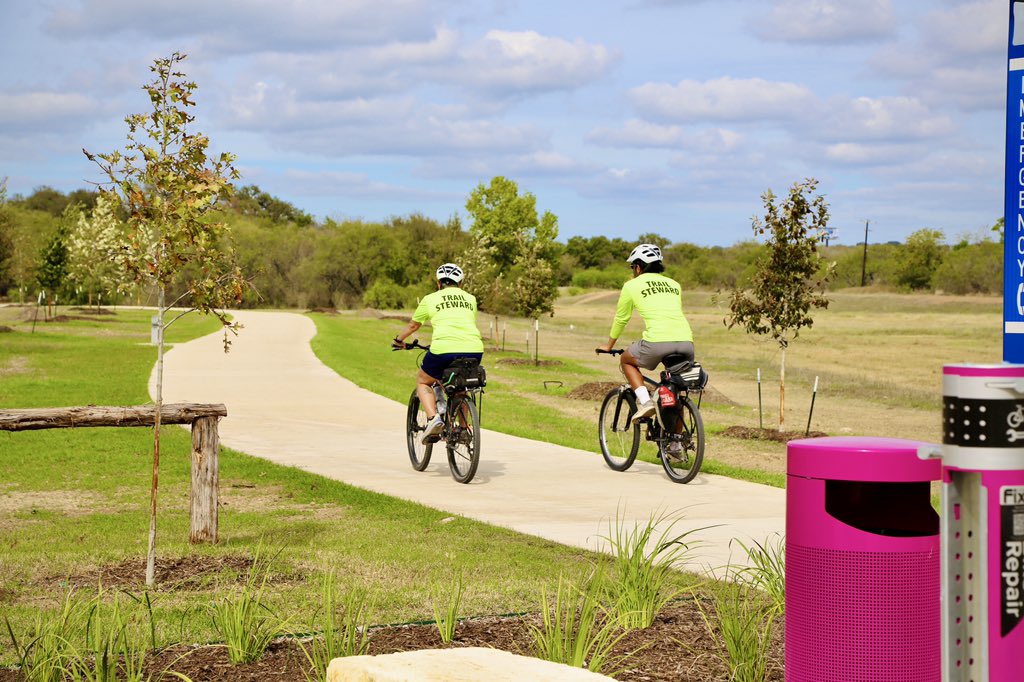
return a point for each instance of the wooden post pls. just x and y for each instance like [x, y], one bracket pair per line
[205, 481]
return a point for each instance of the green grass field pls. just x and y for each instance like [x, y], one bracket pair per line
[74, 502]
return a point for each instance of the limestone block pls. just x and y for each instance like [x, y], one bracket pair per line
[471, 664]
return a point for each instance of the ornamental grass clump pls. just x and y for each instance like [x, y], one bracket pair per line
[446, 608]
[46, 652]
[767, 568]
[743, 624]
[341, 631]
[244, 621]
[643, 557]
[112, 650]
[576, 629]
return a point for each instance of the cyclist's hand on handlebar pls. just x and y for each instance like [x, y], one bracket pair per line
[397, 345]
[605, 348]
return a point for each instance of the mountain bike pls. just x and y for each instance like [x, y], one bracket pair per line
[676, 428]
[459, 400]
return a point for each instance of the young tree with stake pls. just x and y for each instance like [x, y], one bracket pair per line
[168, 186]
[791, 277]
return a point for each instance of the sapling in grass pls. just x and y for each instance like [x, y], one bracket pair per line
[446, 608]
[341, 633]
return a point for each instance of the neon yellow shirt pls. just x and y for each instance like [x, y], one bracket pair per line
[452, 314]
[659, 301]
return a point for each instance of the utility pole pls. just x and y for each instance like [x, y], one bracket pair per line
[864, 261]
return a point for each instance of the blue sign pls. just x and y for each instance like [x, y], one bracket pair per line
[1013, 236]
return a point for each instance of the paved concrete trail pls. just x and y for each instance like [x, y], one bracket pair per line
[284, 405]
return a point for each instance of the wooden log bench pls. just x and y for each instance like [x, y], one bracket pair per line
[203, 493]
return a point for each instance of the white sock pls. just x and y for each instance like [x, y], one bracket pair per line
[642, 395]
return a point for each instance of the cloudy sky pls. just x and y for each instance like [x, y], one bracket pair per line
[620, 116]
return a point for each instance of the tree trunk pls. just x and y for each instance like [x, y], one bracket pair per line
[204, 493]
[151, 553]
[782, 392]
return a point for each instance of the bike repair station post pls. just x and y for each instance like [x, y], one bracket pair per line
[982, 515]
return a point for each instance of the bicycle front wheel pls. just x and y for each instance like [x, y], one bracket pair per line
[682, 466]
[415, 425]
[620, 440]
[462, 433]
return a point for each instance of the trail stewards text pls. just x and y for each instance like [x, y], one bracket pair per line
[453, 301]
[658, 287]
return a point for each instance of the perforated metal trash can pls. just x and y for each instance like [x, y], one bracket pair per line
[862, 562]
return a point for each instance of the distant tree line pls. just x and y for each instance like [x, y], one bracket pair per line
[49, 239]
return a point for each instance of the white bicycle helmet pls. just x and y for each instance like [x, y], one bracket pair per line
[450, 271]
[646, 253]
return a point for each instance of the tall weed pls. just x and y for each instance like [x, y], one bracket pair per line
[642, 567]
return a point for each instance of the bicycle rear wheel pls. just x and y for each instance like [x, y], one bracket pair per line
[415, 425]
[684, 465]
[463, 437]
[620, 440]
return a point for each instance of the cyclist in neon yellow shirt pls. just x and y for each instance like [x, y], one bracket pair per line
[658, 299]
[452, 316]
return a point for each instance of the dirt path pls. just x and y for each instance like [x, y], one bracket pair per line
[286, 406]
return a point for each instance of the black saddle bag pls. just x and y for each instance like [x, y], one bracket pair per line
[464, 373]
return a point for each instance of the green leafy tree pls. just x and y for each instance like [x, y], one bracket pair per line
[511, 245]
[169, 186]
[6, 240]
[919, 258]
[95, 254]
[791, 276]
[53, 261]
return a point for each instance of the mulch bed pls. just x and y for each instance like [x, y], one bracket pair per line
[175, 573]
[676, 648]
[93, 311]
[749, 433]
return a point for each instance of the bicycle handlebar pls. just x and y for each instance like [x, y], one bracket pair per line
[613, 351]
[415, 344]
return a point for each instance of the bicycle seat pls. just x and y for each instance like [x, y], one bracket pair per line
[677, 363]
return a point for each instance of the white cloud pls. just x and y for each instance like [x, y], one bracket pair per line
[55, 110]
[723, 99]
[956, 57]
[241, 26]
[882, 118]
[860, 154]
[827, 21]
[349, 184]
[506, 61]
[637, 133]
[416, 136]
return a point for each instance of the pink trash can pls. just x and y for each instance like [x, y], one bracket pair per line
[862, 562]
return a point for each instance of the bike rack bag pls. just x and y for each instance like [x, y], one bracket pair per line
[465, 373]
